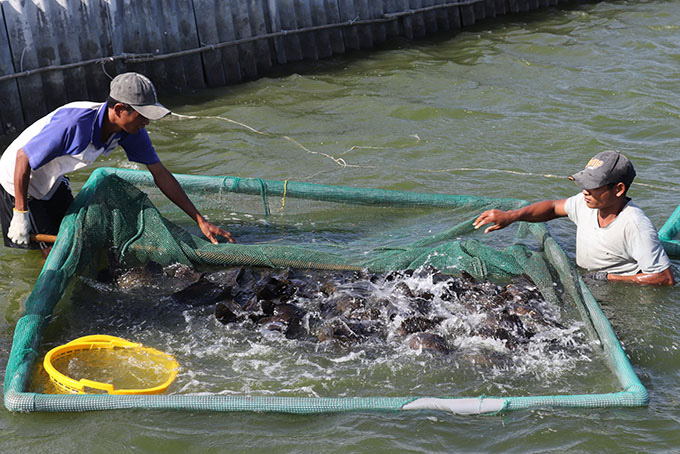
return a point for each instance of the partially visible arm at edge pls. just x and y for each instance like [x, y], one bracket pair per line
[664, 277]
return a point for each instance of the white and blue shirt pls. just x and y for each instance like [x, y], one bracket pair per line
[65, 140]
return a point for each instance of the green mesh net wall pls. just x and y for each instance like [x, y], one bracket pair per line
[112, 215]
[670, 234]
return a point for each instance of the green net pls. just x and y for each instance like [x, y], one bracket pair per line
[113, 216]
[669, 234]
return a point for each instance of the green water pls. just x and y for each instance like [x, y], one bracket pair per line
[508, 108]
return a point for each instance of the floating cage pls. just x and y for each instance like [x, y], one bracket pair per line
[669, 234]
[383, 231]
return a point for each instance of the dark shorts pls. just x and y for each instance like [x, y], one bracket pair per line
[45, 215]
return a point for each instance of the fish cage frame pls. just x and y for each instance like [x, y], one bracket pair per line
[52, 282]
[669, 234]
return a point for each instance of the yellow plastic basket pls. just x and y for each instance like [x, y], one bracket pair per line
[112, 344]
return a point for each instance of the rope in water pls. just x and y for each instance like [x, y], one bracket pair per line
[341, 162]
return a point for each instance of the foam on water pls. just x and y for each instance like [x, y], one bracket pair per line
[245, 358]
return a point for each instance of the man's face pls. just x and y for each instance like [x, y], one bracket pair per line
[131, 121]
[601, 197]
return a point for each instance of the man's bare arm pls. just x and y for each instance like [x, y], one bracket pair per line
[536, 212]
[22, 175]
[665, 277]
[169, 185]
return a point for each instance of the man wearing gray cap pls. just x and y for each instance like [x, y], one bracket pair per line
[34, 191]
[615, 240]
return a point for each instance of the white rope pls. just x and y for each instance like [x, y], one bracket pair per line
[657, 187]
[486, 169]
[529, 174]
[341, 162]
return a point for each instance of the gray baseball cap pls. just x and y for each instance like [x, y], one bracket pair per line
[607, 167]
[137, 91]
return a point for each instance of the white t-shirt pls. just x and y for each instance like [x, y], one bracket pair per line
[630, 244]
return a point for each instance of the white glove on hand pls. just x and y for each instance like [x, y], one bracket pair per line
[19, 228]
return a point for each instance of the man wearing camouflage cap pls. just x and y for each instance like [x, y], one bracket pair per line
[615, 240]
[34, 190]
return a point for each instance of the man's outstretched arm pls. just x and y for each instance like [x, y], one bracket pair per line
[536, 212]
[665, 277]
[169, 185]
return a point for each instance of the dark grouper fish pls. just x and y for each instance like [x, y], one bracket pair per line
[425, 310]
[422, 310]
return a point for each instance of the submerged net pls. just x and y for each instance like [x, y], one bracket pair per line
[307, 227]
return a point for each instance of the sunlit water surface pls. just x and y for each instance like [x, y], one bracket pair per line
[506, 109]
